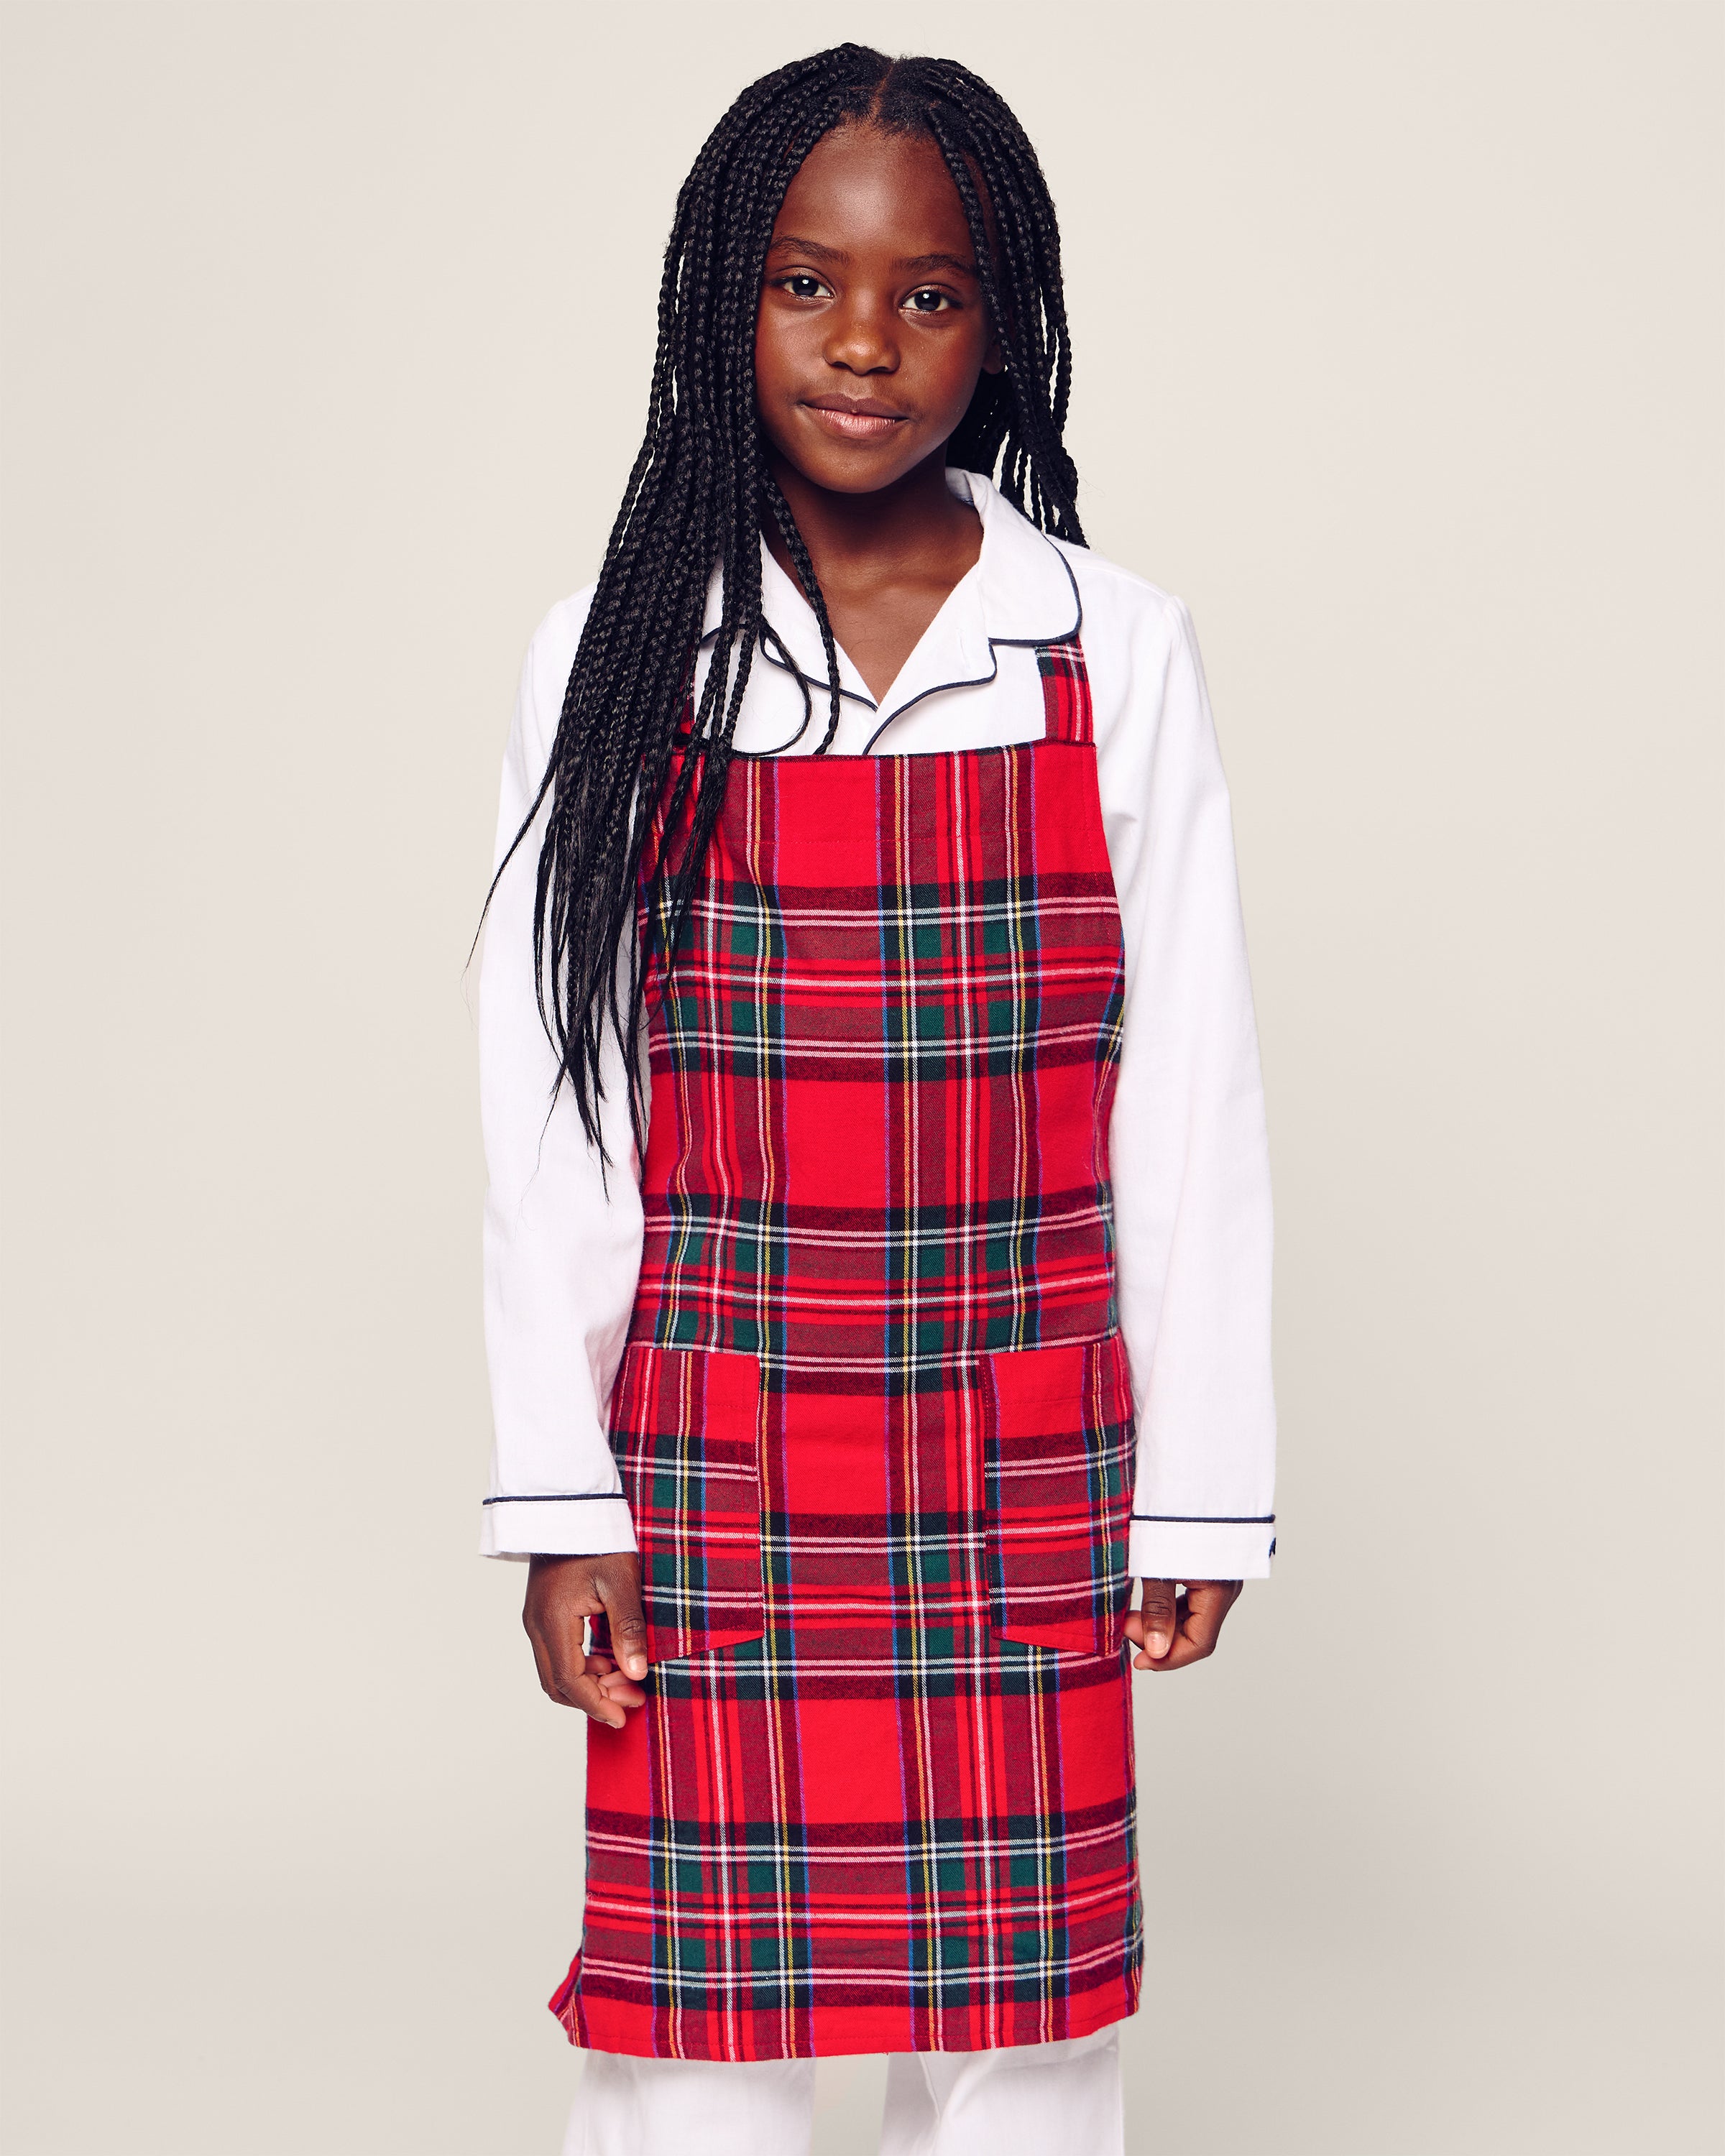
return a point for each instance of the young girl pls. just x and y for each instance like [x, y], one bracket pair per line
[878, 1237]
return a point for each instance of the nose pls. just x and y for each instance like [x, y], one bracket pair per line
[862, 336]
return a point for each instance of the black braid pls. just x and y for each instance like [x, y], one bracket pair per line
[699, 490]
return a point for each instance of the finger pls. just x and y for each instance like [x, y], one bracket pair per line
[613, 1682]
[1201, 1609]
[587, 1693]
[566, 1676]
[549, 1683]
[625, 1694]
[558, 1599]
[558, 1630]
[618, 1583]
[1155, 1630]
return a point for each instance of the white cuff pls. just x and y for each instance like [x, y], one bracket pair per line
[1201, 1549]
[556, 1526]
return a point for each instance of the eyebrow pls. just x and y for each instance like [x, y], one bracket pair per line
[936, 262]
[814, 248]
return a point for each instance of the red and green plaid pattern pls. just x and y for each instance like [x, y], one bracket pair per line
[1066, 687]
[684, 1428]
[874, 1423]
[1058, 1447]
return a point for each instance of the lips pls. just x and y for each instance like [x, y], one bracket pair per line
[854, 419]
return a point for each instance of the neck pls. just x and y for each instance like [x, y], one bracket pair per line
[858, 538]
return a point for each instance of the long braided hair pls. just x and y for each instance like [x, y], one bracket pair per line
[698, 496]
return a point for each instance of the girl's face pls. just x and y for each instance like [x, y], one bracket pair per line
[872, 330]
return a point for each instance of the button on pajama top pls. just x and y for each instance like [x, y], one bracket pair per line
[870, 1339]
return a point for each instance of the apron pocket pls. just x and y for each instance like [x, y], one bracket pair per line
[684, 1429]
[1059, 1441]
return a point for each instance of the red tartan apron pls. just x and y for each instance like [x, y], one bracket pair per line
[873, 1421]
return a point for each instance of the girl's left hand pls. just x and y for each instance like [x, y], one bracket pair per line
[1170, 1632]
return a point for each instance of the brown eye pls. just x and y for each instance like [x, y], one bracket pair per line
[802, 286]
[928, 301]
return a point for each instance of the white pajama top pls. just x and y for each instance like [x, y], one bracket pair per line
[1187, 1150]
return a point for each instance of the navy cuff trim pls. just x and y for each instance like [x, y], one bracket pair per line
[1209, 1519]
[573, 1498]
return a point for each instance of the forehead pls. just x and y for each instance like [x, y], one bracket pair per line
[866, 192]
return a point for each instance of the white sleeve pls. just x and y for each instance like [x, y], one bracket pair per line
[561, 1256]
[1187, 1148]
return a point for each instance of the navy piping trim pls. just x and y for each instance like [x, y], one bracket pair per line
[969, 681]
[1015, 643]
[572, 1497]
[1210, 1519]
[808, 680]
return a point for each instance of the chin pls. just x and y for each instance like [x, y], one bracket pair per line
[857, 478]
[853, 471]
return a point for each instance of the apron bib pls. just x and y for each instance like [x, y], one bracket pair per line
[873, 1421]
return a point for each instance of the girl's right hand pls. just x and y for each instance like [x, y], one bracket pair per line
[562, 1593]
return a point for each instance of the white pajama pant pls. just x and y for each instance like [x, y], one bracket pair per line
[1060, 2099]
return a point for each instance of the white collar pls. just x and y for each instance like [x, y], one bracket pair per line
[1019, 591]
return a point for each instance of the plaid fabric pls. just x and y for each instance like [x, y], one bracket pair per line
[683, 1430]
[1054, 1581]
[875, 1422]
[1065, 691]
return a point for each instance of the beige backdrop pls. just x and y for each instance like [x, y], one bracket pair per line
[326, 332]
